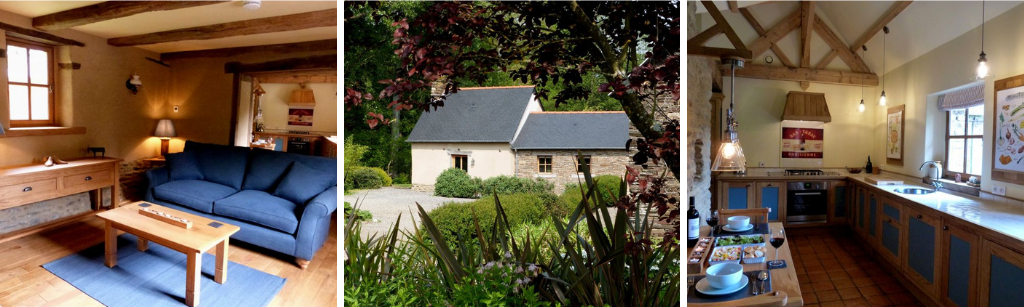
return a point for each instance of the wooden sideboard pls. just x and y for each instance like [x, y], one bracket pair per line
[26, 184]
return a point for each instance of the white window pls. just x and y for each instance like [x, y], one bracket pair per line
[963, 141]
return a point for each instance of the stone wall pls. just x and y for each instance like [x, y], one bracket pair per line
[133, 178]
[699, 74]
[22, 217]
[563, 165]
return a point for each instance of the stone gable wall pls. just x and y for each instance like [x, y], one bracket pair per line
[563, 165]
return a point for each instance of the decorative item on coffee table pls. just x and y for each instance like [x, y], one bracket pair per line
[167, 218]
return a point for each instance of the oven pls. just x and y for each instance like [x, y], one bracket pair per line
[297, 145]
[807, 202]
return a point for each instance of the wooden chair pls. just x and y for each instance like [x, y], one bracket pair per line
[754, 214]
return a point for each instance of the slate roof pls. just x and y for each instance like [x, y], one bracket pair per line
[475, 115]
[574, 130]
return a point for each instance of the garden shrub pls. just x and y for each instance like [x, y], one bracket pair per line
[454, 219]
[510, 185]
[402, 178]
[361, 215]
[607, 185]
[454, 182]
[364, 178]
[383, 176]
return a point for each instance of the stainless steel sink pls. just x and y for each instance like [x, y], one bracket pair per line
[914, 191]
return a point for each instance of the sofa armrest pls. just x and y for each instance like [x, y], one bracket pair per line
[155, 177]
[315, 223]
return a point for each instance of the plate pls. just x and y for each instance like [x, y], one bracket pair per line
[729, 229]
[703, 287]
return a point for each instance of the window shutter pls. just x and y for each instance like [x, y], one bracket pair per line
[962, 98]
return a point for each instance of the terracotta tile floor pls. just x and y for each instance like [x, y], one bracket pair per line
[835, 270]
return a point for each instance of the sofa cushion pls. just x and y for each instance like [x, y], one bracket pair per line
[261, 208]
[183, 166]
[195, 194]
[302, 183]
[267, 167]
[221, 164]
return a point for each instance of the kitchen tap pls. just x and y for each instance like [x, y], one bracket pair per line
[938, 168]
[937, 185]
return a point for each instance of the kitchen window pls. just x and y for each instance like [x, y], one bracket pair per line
[545, 164]
[30, 84]
[964, 128]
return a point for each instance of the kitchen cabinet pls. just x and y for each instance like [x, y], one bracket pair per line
[839, 199]
[922, 248]
[959, 267]
[862, 211]
[891, 227]
[772, 194]
[1001, 271]
[872, 218]
[737, 194]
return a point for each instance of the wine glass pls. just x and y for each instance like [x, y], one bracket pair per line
[778, 236]
[713, 221]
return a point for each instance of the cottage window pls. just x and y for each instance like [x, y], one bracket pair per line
[460, 162]
[545, 164]
[582, 163]
[30, 83]
[963, 141]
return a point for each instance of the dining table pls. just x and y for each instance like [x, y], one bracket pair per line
[785, 288]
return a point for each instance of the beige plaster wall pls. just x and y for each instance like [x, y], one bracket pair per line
[325, 113]
[486, 160]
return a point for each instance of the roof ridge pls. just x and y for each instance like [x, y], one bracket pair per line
[494, 87]
[576, 112]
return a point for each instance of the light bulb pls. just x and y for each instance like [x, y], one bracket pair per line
[728, 150]
[881, 101]
[982, 69]
[860, 108]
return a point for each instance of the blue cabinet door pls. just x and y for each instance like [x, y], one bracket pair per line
[861, 205]
[1004, 277]
[840, 201]
[921, 243]
[961, 267]
[891, 240]
[739, 196]
[872, 214]
[770, 199]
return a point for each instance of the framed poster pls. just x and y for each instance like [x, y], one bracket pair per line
[300, 117]
[1008, 148]
[803, 143]
[894, 125]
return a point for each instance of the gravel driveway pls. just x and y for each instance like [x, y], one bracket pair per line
[387, 203]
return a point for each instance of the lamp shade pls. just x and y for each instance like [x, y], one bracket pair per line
[165, 129]
[730, 158]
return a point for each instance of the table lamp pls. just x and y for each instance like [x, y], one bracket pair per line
[165, 131]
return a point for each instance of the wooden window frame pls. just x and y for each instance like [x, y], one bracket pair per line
[945, 152]
[465, 162]
[51, 72]
[550, 164]
[587, 159]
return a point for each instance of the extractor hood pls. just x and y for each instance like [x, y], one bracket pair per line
[806, 106]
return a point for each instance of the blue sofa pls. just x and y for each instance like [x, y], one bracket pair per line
[258, 190]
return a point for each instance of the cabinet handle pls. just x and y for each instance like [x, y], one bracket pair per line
[769, 185]
[945, 227]
[87, 178]
[919, 216]
[748, 185]
[27, 189]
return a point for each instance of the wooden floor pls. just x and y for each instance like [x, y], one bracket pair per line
[24, 282]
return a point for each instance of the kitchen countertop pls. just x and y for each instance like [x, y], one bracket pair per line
[762, 173]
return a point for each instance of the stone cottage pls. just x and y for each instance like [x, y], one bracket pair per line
[493, 131]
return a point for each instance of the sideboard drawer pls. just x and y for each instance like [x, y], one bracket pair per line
[91, 178]
[28, 189]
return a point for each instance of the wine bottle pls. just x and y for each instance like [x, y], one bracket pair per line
[868, 167]
[693, 224]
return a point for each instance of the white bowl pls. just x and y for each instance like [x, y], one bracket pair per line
[738, 222]
[723, 275]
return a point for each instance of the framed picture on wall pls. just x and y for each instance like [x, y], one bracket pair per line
[300, 117]
[894, 124]
[1008, 146]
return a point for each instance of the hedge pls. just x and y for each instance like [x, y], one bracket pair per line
[454, 182]
[607, 185]
[510, 185]
[454, 219]
[367, 178]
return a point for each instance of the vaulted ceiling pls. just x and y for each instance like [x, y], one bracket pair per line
[918, 28]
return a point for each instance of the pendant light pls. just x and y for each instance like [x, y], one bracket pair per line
[861, 107]
[881, 101]
[730, 156]
[982, 66]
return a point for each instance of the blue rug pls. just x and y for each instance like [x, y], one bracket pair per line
[156, 278]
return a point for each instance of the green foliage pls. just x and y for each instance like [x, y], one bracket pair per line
[366, 178]
[607, 186]
[353, 153]
[454, 182]
[456, 219]
[382, 175]
[360, 215]
[505, 184]
[402, 178]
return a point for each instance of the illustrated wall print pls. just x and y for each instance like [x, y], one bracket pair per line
[894, 124]
[300, 117]
[803, 143]
[1008, 145]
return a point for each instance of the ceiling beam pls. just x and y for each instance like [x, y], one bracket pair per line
[108, 10]
[827, 59]
[760, 31]
[703, 37]
[720, 20]
[806, 24]
[896, 9]
[37, 36]
[763, 43]
[311, 46]
[800, 74]
[733, 6]
[694, 45]
[299, 78]
[854, 61]
[315, 19]
[319, 62]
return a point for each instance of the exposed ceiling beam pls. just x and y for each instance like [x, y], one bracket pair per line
[760, 31]
[703, 37]
[315, 19]
[854, 61]
[108, 10]
[763, 43]
[800, 74]
[298, 78]
[733, 6]
[827, 59]
[896, 9]
[806, 24]
[720, 20]
[717, 52]
[319, 62]
[694, 45]
[38, 36]
[311, 46]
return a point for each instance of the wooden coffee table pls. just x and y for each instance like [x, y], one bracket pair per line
[193, 242]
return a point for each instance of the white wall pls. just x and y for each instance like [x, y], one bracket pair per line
[486, 160]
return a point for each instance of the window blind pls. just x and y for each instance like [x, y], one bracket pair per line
[962, 98]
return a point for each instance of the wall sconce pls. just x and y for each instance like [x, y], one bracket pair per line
[133, 84]
[472, 162]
